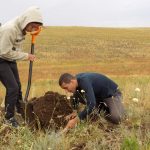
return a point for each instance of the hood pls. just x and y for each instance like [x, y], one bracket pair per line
[32, 14]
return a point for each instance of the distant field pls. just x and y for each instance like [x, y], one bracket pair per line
[114, 52]
[122, 54]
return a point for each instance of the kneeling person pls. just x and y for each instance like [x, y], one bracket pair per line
[100, 92]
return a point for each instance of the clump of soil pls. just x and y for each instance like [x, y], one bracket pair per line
[48, 111]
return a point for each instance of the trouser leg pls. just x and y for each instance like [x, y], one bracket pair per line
[8, 80]
[116, 108]
[16, 75]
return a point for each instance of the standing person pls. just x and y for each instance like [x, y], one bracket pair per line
[11, 36]
[100, 93]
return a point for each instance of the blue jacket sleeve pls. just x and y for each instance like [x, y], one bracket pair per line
[89, 97]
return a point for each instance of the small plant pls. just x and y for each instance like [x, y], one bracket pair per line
[130, 143]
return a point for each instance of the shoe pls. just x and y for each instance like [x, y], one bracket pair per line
[12, 122]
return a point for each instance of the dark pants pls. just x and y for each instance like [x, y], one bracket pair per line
[113, 108]
[10, 79]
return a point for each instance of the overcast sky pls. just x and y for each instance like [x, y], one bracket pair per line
[101, 13]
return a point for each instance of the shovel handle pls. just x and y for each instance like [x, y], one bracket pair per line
[29, 75]
[33, 34]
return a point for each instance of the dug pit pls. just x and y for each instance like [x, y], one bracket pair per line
[48, 111]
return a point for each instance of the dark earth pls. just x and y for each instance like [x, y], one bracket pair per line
[48, 111]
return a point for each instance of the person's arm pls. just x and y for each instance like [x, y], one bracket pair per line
[90, 98]
[90, 105]
[6, 46]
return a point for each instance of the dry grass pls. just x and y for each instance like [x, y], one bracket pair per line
[122, 54]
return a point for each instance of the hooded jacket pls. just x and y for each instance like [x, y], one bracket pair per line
[11, 35]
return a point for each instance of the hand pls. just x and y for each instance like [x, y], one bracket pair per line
[72, 123]
[31, 57]
[71, 116]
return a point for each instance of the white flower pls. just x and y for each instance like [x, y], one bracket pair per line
[68, 97]
[135, 100]
[137, 90]
[82, 91]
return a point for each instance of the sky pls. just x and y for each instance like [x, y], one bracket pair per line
[98, 13]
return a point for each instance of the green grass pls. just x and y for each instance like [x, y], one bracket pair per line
[121, 54]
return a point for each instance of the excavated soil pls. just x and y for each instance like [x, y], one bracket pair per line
[48, 111]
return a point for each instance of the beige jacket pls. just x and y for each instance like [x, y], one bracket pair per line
[11, 35]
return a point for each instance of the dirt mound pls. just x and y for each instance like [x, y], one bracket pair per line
[48, 111]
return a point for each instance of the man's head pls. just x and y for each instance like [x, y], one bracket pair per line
[30, 20]
[68, 82]
[31, 27]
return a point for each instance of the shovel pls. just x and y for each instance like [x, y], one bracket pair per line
[25, 102]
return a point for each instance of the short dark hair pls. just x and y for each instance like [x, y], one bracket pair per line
[66, 78]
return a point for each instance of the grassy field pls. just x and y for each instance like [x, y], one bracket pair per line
[121, 54]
